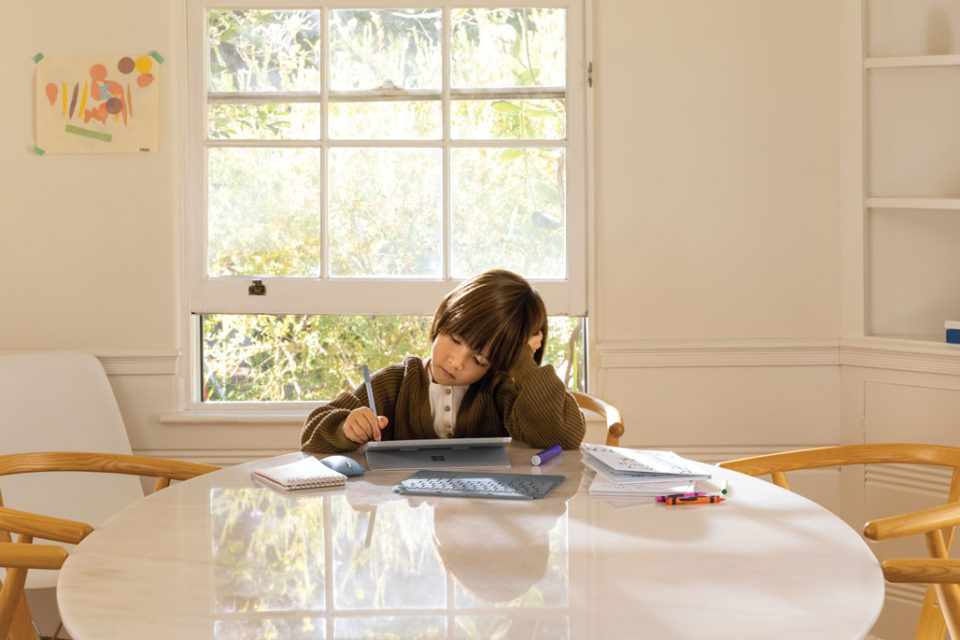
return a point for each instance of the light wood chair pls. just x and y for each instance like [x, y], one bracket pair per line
[63, 401]
[601, 407]
[20, 556]
[939, 571]
[163, 469]
[777, 465]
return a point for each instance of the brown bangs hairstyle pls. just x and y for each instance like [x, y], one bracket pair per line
[495, 312]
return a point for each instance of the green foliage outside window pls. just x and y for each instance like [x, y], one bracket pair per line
[316, 357]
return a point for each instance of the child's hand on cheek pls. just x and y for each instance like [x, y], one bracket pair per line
[362, 425]
[535, 341]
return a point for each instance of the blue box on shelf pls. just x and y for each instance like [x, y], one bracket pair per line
[952, 328]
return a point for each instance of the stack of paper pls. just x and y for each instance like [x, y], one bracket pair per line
[638, 472]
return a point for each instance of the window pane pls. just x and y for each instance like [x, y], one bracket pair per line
[253, 50]
[298, 357]
[263, 212]
[385, 212]
[264, 121]
[316, 357]
[522, 119]
[385, 48]
[509, 211]
[508, 47]
[418, 120]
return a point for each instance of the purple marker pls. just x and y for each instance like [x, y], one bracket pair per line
[546, 454]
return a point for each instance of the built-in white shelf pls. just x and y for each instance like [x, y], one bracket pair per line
[913, 203]
[893, 62]
[927, 339]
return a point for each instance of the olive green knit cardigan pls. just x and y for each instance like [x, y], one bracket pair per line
[531, 404]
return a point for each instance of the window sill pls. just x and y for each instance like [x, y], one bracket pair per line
[243, 416]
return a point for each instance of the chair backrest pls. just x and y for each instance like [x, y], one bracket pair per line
[932, 623]
[20, 556]
[58, 401]
[610, 414]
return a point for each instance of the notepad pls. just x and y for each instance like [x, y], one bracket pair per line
[305, 473]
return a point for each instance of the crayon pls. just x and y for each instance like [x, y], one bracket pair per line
[695, 500]
[694, 494]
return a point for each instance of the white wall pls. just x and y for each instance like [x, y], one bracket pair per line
[89, 244]
[717, 207]
[716, 215]
[717, 169]
[716, 224]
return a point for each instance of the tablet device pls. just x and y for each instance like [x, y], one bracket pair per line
[437, 453]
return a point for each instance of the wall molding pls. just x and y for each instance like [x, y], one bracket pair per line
[139, 363]
[920, 479]
[909, 594]
[219, 457]
[875, 353]
[719, 353]
[128, 363]
[900, 355]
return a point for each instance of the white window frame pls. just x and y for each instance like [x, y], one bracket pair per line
[363, 296]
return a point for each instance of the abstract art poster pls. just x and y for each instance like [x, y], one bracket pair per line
[98, 104]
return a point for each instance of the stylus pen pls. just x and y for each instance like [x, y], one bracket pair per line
[366, 380]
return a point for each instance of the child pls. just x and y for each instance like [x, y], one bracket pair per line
[482, 379]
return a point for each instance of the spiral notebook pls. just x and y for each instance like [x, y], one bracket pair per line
[305, 473]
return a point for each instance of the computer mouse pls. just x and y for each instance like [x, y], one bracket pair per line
[347, 466]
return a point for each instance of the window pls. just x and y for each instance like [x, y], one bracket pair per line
[349, 165]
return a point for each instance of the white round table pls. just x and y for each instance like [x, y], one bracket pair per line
[221, 556]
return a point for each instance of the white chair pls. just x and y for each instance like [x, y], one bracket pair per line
[57, 401]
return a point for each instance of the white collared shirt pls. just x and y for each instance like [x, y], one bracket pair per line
[444, 403]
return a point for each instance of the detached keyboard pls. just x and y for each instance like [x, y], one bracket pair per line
[478, 484]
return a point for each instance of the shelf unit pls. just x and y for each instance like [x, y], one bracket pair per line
[910, 66]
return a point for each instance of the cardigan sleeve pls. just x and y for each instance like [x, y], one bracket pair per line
[323, 429]
[536, 407]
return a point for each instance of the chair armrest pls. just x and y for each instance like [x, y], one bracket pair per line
[914, 523]
[16, 555]
[922, 570]
[598, 405]
[41, 461]
[46, 527]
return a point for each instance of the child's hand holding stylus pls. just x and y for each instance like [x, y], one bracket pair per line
[363, 424]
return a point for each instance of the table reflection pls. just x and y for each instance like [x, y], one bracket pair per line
[318, 566]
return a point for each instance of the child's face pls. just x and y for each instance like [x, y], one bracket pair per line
[454, 362]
